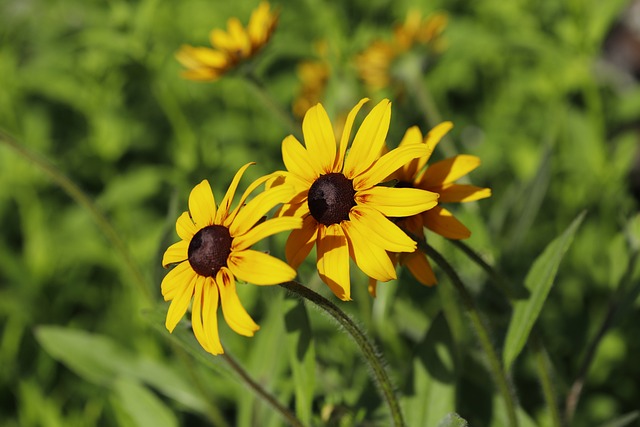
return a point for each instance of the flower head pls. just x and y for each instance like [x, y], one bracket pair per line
[439, 178]
[343, 209]
[215, 250]
[229, 47]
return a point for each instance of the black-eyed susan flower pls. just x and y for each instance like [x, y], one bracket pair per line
[343, 209]
[229, 47]
[439, 178]
[215, 250]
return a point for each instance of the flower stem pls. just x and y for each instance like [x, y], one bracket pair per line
[80, 197]
[481, 329]
[257, 388]
[544, 374]
[374, 359]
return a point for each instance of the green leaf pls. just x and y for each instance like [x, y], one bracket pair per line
[453, 420]
[623, 421]
[538, 281]
[143, 407]
[302, 356]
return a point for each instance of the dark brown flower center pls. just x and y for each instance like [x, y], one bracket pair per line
[209, 250]
[331, 198]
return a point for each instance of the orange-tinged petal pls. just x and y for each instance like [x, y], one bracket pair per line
[223, 209]
[180, 303]
[397, 202]
[176, 280]
[447, 171]
[441, 221]
[319, 138]
[210, 316]
[298, 161]
[250, 189]
[462, 193]
[176, 253]
[391, 161]
[258, 207]
[234, 313]
[185, 227]
[202, 205]
[259, 268]
[333, 260]
[346, 134]
[301, 241]
[419, 267]
[371, 259]
[380, 230]
[369, 140]
[265, 229]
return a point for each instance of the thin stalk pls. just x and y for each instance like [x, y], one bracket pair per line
[375, 361]
[257, 388]
[543, 366]
[481, 329]
[80, 197]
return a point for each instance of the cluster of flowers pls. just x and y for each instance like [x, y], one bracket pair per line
[330, 197]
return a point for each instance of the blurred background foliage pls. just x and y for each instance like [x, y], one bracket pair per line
[545, 92]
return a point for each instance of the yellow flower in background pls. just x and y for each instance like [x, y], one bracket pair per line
[229, 47]
[215, 250]
[313, 76]
[344, 211]
[439, 178]
[416, 30]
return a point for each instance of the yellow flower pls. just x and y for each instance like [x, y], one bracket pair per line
[439, 178]
[314, 76]
[229, 47]
[215, 250]
[343, 210]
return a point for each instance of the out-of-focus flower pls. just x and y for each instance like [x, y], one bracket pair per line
[313, 76]
[229, 47]
[343, 209]
[215, 250]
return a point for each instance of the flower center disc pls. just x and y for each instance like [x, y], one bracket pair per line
[331, 197]
[209, 250]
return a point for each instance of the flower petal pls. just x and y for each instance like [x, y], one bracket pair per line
[185, 227]
[265, 229]
[210, 316]
[432, 139]
[333, 260]
[202, 205]
[250, 189]
[223, 209]
[180, 303]
[177, 279]
[369, 140]
[371, 259]
[387, 164]
[258, 207]
[346, 134]
[319, 138]
[234, 313]
[197, 323]
[259, 268]
[176, 253]
[419, 267]
[442, 222]
[380, 230]
[298, 161]
[413, 135]
[200, 57]
[447, 171]
[397, 202]
[462, 193]
[301, 241]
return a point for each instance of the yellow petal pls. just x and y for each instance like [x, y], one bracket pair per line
[210, 316]
[369, 140]
[223, 209]
[301, 241]
[319, 138]
[180, 304]
[333, 260]
[202, 205]
[435, 135]
[380, 230]
[462, 193]
[447, 171]
[185, 226]
[419, 267]
[259, 24]
[176, 280]
[265, 229]
[176, 253]
[250, 189]
[221, 40]
[202, 74]
[240, 38]
[298, 207]
[197, 321]
[298, 161]
[197, 57]
[413, 135]
[441, 221]
[397, 202]
[259, 268]
[258, 207]
[371, 259]
[346, 134]
[388, 164]
[234, 313]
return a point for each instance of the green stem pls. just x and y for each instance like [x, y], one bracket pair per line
[374, 359]
[481, 329]
[257, 388]
[543, 367]
[83, 200]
